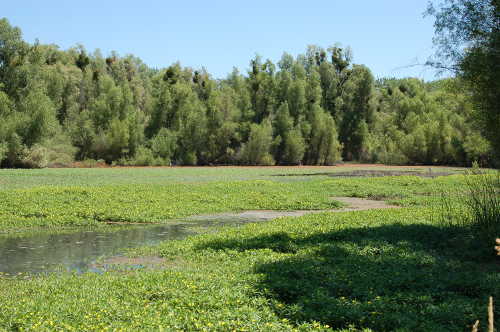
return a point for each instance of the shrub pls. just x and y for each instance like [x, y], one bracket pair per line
[37, 157]
[143, 157]
[60, 151]
[89, 163]
[3, 151]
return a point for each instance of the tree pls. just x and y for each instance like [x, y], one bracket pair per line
[324, 147]
[40, 114]
[256, 151]
[59, 104]
[468, 41]
[13, 52]
[163, 145]
[294, 147]
[356, 112]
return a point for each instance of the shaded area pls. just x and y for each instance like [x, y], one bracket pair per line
[396, 277]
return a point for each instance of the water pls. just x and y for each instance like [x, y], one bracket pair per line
[78, 251]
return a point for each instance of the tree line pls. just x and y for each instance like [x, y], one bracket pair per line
[318, 108]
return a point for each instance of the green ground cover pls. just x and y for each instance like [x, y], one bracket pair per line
[376, 270]
[76, 197]
[29, 178]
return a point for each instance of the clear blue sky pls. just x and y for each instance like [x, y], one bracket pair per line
[385, 35]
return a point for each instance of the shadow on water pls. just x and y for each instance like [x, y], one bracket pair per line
[396, 277]
[77, 251]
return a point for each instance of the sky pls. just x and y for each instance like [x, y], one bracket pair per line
[388, 36]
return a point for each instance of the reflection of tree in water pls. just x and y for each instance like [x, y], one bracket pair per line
[46, 252]
[74, 251]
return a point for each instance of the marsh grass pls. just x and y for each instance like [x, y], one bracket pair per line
[474, 209]
[484, 203]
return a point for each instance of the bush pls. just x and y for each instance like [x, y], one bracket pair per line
[54, 152]
[37, 157]
[143, 157]
[60, 151]
[16, 152]
[3, 151]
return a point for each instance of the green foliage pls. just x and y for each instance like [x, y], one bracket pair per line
[294, 147]
[151, 202]
[356, 112]
[36, 157]
[143, 157]
[3, 151]
[373, 270]
[484, 204]
[428, 124]
[16, 151]
[324, 148]
[289, 145]
[256, 151]
[83, 196]
[314, 109]
[468, 41]
[163, 144]
[475, 210]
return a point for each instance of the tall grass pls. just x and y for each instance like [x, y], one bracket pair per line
[475, 209]
[483, 201]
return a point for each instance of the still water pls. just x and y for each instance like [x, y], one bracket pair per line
[77, 251]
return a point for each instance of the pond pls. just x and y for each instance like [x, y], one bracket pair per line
[78, 251]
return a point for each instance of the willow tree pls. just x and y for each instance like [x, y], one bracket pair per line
[467, 34]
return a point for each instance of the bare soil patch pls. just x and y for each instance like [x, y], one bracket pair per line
[353, 204]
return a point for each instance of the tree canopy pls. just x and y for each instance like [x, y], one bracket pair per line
[317, 108]
[468, 40]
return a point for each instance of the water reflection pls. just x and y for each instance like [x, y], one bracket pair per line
[46, 252]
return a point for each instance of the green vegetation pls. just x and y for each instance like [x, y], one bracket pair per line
[468, 40]
[476, 209]
[92, 196]
[396, 269]
[426, 266]
[317, 108]
[382, 270]
[151, 203]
